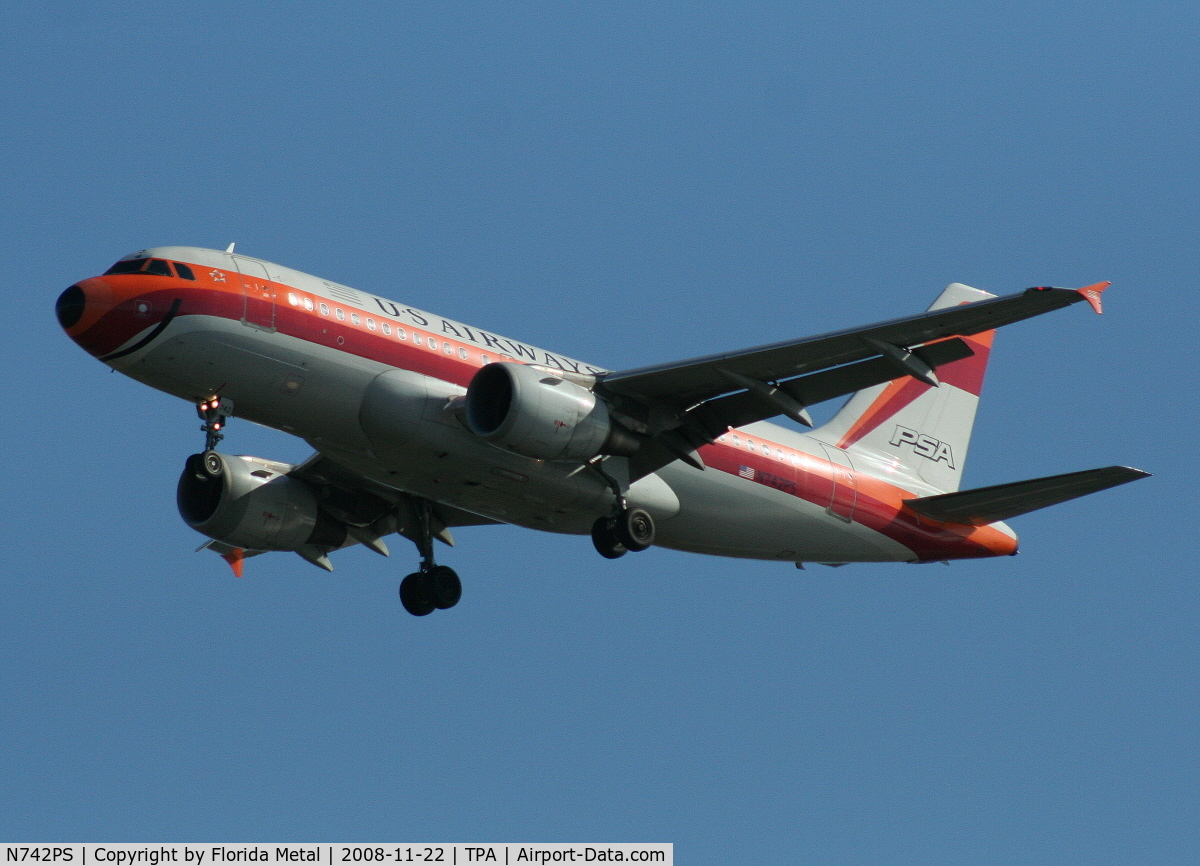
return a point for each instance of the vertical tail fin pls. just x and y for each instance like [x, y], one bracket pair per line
[917, 426]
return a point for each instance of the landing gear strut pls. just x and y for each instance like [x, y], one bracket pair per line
[433, 587]
[213, 413]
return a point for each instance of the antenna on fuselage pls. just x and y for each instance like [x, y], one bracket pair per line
[229, 248]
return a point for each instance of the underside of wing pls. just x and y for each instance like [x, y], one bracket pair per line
[249, 505]
[358, 500]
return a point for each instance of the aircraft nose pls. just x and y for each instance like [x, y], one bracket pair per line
[70, 306]
[80, 310]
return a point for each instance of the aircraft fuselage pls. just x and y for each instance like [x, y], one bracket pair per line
[377, 386]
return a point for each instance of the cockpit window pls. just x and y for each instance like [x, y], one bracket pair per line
[184, 271]
[158, 267]
[128, 266]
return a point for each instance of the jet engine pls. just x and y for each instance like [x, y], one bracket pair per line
[251, 503]
[532, 412]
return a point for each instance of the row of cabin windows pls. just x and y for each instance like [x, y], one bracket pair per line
[157, 267]
[161, 267]
[308, 304]
[763, 446]
[386, 327]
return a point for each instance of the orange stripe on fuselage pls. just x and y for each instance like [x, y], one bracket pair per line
[111, 320]
[879, 504]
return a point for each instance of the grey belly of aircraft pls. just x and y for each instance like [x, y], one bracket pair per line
[401, 429]
[724, 515]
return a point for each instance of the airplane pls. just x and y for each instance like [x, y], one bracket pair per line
[422, 424]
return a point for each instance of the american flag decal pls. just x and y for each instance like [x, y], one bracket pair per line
[746, 472]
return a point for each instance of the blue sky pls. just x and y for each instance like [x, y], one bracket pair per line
[626, 185]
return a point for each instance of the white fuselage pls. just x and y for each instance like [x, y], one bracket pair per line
[373, 385]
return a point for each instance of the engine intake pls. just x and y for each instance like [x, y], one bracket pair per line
[535, 413]
[251, 503]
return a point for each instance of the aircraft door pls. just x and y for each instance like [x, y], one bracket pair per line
[258, 294]
[845, 483]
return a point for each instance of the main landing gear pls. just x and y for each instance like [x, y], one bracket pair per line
[628, 529]
[433, 587]
[623, 530]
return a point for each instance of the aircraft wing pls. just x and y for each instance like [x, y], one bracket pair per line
[687, 382]
[357, 500]
[369, 510]
[985, 505]
[680, 406]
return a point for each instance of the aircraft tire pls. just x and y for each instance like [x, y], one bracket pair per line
[606, 541]
[635, 529]
[416, 594]
[212, 464]
[446, 588]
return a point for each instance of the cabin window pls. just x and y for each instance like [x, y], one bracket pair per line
[387, 329]
[324, 309]
[402, 334]
[293, 300]
[370, 324]
[308, 304]
[340, 314]
[447, 348]
[737, 442]
[462, 353]
[354, 319]
[184, 271]
[483, 359]
[417, 338]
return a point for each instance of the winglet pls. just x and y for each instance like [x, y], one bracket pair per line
[1091, 294]
[235, 558]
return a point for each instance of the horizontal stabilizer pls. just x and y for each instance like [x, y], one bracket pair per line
[989, 504]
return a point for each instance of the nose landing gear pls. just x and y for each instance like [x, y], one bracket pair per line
[213, 412]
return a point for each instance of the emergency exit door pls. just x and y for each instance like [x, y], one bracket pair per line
[258, 294]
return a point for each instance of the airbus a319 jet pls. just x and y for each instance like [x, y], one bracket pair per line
[422, 424]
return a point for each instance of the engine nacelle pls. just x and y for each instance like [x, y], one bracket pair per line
[251, 503]
[535, 413]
